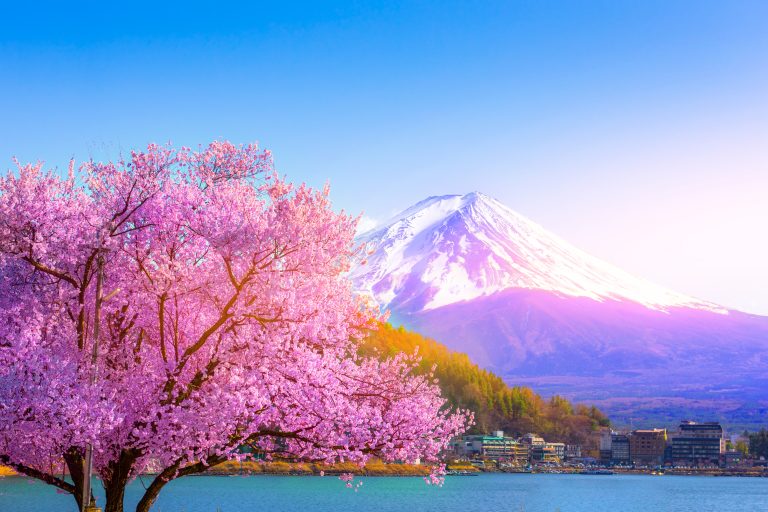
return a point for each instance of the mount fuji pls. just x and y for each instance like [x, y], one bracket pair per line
[481, 278]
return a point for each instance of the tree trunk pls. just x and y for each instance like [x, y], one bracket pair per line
[119, 472]
[75, 464]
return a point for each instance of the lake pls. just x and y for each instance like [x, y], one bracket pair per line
[484, 493]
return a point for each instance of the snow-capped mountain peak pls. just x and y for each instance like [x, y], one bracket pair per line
[453, 248]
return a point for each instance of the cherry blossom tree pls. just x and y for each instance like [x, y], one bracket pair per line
[170, 308]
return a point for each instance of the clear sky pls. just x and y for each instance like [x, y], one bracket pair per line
[637, 130]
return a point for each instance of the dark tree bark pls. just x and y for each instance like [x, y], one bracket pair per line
[76, 465]
[116, 479]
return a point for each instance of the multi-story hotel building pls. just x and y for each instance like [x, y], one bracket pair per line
[620, 449]
[496, 446]
[646, 447]
[697, 444]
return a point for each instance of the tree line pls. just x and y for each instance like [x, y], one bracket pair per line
[758, 443]
[496, 405]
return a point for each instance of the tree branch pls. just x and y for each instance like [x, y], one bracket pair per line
[50, 271]
[172, 472]
[39, 475]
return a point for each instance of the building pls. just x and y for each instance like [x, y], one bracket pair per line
[532, 440]
[502, 448]
[605, 446]
[558, 449]
[697, 444]
[646, 447]
[541, 451]
[572, 451]
[620, 453]
[497, 447]
[544, 453]
[530, 448]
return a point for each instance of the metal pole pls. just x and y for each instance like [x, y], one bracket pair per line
[87, 504]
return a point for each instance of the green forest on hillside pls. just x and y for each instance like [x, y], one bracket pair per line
[497, 406]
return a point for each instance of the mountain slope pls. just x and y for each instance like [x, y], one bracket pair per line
[518, 300]
[452, 248]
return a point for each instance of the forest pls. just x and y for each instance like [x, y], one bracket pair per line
[497, 406]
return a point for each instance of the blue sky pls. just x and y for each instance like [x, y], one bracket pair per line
[634, 129]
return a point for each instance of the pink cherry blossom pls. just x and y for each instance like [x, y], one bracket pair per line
[225, 320]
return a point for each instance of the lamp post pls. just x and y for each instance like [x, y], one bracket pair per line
[89, 505]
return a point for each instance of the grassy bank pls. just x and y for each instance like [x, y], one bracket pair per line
[373, 468]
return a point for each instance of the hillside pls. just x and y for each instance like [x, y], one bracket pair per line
[516, 409]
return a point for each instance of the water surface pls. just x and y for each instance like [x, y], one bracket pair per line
[484, 493]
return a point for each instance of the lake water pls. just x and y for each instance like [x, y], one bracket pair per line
[484, 493]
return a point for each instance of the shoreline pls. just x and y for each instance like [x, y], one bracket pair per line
[377, 468]
[732, 472]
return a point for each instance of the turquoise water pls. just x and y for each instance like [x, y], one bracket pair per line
[484, 493]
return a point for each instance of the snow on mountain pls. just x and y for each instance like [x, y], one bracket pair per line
[454, 248]
[519, 301]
